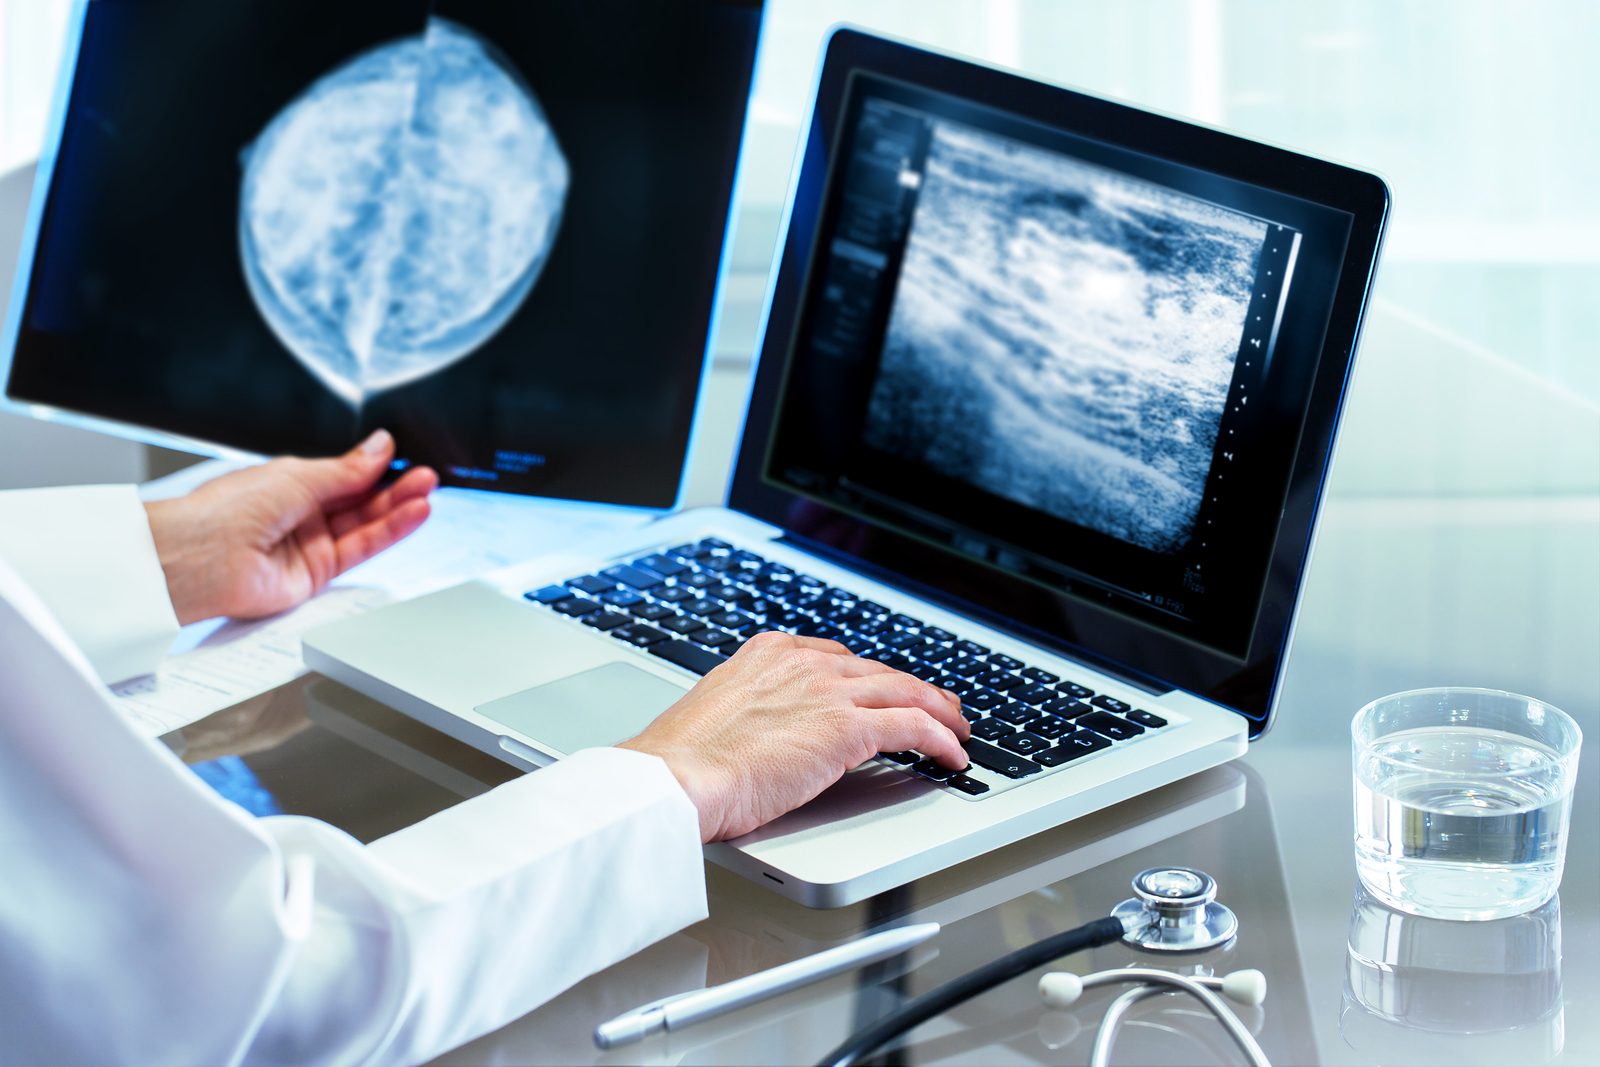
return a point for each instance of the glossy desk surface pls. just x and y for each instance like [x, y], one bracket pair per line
[1349, 981]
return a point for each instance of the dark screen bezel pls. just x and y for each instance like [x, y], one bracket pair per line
[1142, 654]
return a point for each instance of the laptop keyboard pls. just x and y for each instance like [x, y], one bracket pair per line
[695, 604]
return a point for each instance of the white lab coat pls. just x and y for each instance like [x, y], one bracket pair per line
[145, 920]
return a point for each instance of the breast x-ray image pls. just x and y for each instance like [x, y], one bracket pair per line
[492, 228]
[395, 215]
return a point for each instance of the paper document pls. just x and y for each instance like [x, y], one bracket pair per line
[239, 660]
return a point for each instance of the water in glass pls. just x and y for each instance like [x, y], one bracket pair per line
[1457, 822]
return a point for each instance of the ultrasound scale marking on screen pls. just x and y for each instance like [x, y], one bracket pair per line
[1064, 336]
[395, 215]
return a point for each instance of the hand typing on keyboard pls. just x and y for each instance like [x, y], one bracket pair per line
[784, 718]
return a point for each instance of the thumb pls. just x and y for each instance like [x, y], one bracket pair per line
[352, 474]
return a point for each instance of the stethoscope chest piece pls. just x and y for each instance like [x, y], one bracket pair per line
[1175, 910]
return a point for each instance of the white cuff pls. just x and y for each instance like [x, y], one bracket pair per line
[88, 553]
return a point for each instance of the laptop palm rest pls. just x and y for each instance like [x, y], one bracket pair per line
[598, 707]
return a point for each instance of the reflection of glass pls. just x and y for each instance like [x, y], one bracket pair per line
[1428, 991]
[1463, 797]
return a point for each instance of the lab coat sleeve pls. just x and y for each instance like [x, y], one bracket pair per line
[88, 554]
[457, 925]
[145, 920]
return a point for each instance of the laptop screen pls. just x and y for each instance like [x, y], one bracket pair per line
[1056, 356]
[1068, 366]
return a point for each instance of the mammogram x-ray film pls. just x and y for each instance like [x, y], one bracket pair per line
[1064, 336]
[394, 217]
[492, 228]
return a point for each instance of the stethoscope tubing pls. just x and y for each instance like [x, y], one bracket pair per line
[1154, 982]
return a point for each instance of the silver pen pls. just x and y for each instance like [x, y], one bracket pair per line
[686, 1009]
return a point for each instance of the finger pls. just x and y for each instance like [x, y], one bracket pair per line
[897, 690]
[339, 481]
[365, 541]
[910, 729]
[417, 482]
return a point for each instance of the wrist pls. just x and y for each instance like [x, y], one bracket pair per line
[699, 784]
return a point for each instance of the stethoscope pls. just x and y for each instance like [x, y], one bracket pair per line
[1173, 909]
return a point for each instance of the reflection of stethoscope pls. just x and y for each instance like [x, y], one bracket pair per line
[1174, 910]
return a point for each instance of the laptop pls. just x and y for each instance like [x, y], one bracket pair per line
[1044, 407]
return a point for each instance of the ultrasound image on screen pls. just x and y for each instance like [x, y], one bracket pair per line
[1063, 336]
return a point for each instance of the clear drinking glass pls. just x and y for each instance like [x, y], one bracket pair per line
[1463, 797]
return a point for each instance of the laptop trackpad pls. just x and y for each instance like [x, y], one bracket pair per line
[598, 707]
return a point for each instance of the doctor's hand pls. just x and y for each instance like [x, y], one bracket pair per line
[783, 719]
[262, 540]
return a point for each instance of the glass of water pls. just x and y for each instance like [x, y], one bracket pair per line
[1463, 797]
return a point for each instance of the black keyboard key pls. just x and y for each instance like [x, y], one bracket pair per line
[1032, 693]
[970, 715]
[549, 594]
[998, 759]
[777, 570]
[791, 619]
[704, 606]
[855, 644]
[1050, 727]
[875, 627]
[959, 686]
[664, 565]
[906, 622]
[1024, 744]
[684, 552]
[966, 666]
[868, 608]
[636, 577]
[699, 579]
[776, 590]
[674, 594]
[591, 583]
[929, 769]
[746, 558]
[576, 606]
[714, 544]
[1110, 703]
[1081, 743]
[1005, 663]
[936, 653]
[737, 621]
[998, 680]
[692, 657]
[651, 612]
[983, 699]
[1054, 757]
[925, 672]
[606, 620]
[905, 759]
[810, 582]
[1015, 712]
[1065, 707]
[1144, 718]
[622, 598]
[903, 640]
[639, 634]
[1034, 674]
[992, 729]
[933, 633]
[683, 624]
[715, 638]
[1118, 729]
[971, 648]
[813, 628]
[1073, 689]
[970, 786]
[717, 564]
[731, 594]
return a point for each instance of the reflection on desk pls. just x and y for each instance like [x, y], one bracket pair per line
[1425, 991]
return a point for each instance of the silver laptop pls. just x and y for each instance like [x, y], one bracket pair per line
[1045, 403]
